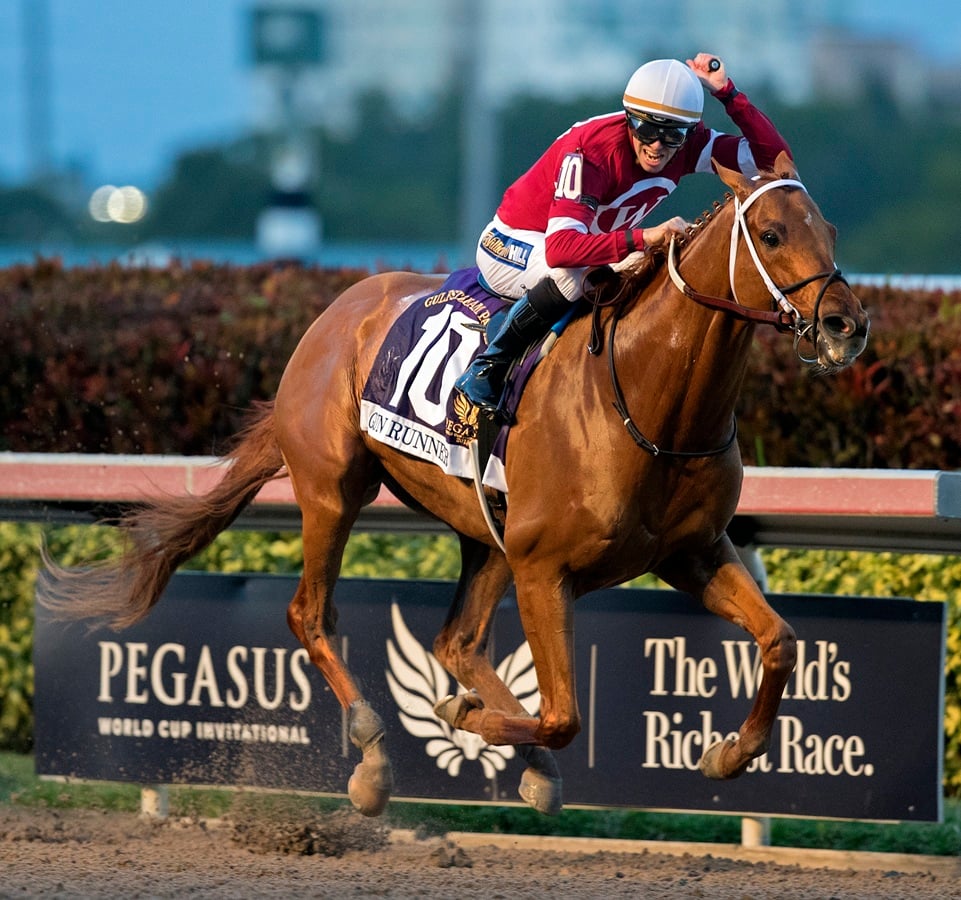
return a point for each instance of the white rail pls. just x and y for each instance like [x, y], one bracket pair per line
[864, 509]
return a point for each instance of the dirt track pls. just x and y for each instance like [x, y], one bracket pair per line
[94, 854]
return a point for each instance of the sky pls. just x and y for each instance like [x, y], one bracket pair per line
[134, 82]
[933, 25]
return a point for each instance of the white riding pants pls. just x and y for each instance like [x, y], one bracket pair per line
[512, 261]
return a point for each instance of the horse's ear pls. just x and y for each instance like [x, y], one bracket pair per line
[736, 181]
[784, 166]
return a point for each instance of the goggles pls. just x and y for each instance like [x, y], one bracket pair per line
[647, 132]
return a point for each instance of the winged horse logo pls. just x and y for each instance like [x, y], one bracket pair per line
[417, 681]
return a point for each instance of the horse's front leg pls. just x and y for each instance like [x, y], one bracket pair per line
[462, 648]
[546, 606]
[719, 579]
[548, 625]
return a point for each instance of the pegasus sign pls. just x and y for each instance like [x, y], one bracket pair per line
[212, 689]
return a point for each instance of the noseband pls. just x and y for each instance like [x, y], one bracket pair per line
[783, 315]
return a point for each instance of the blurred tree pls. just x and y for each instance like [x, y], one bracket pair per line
[394, 180]
[887, 179]
[885, 176]
[31, 215]
[212, 193]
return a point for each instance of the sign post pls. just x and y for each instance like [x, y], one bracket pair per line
[288, 42]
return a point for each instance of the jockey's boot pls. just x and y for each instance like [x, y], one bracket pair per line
[530, 318]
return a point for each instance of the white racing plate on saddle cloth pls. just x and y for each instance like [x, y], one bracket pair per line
[409, 402]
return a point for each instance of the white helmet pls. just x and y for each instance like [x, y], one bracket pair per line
[666, 91]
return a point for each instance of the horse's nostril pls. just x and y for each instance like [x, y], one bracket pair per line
[839, 326]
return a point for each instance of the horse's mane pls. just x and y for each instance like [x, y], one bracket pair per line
[633, 282]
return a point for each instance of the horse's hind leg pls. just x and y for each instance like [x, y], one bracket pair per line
[333, 473]
[725, 587]
[312, 617]
[462, 648]
[370, 786]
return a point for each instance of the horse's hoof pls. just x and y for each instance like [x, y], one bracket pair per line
[452, 710]
[369, 789]
[541, 792]
[712, 762]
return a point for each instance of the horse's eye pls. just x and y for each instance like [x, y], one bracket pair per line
[770, 238]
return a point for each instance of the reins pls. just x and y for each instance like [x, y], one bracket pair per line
[783, 316]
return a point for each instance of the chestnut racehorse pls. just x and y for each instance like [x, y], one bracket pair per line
[650, 488]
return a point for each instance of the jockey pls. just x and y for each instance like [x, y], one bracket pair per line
[582, 204]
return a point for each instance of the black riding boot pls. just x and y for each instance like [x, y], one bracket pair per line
[530, 318]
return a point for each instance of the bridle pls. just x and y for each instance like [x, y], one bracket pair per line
[783, 315]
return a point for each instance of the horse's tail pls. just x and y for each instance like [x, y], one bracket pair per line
[162, 534]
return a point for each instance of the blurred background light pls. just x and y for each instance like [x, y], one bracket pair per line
[98, 203]
[124, 205]
[127, 205]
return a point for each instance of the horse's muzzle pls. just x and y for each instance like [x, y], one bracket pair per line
[841, 338]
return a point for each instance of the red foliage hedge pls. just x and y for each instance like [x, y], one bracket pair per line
[898, 406]
[143, 360]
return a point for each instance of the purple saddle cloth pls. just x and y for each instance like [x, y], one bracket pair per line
[408, 401]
